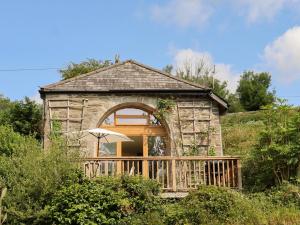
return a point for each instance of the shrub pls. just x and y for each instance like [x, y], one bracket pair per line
[278, 205]
[267, 141]
[286, 195]
[89, 203]
[12, 143]
[24, 116]
[107, 200]
[31, 175]
[212, 205]
[275, 158]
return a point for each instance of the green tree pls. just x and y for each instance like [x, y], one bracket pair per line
[234, 103]
[203, 74]
[218, 87]
[75, 69]
[276, 157]
[25, 116]
[4, 103]
[253, 90]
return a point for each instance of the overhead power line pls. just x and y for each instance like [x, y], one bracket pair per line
[29, 69]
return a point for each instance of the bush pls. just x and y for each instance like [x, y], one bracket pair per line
[268, 143]
[280, 205]
[13, 144]
[275, 158]
[212, 205]
[31, 175]
[25, 116]
[107, 200]
[286, 195]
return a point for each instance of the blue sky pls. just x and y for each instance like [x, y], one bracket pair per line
[234, 35]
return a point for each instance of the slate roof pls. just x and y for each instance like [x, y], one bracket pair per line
[126, 76]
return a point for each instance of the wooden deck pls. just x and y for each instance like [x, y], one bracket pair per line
[175, 174]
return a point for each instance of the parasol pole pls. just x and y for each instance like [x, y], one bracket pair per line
[98, 149]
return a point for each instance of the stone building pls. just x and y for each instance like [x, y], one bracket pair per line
[125, 97]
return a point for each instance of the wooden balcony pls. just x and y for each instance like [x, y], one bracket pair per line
[175, 174]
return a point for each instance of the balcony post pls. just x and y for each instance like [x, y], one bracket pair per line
[239, 167]
[173, 171]
[145, 154]
[119, 162]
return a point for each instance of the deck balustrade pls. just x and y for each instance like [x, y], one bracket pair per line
[175, 174]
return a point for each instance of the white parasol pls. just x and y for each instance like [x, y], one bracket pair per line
[107, 136]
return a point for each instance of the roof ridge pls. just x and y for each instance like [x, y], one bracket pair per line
[167, 74]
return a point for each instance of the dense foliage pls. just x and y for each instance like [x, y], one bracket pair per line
[207, 80]
[31, 175]
[25, 116]
[217, 86]
[253, 90]
[276, 156]
[268, 142]
[75, 69]
[251, 94]
[213, 205]
[104, 201]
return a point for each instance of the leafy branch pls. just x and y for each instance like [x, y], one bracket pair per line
[163, 108]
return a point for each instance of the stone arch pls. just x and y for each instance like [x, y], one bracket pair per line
[136, 105]
[141, 106]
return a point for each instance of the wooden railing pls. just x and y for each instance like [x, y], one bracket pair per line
[173, 173]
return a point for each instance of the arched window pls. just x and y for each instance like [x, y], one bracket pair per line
[131, 116]
[149, 136]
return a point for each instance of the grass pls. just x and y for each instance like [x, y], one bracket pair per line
[240, 132]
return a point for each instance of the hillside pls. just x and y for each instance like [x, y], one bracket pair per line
[240, 132]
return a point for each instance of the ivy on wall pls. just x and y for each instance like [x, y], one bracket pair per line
[163, 108]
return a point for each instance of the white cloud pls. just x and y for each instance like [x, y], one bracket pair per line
[183, 13]
[283, 55]
[260, 9]
[223, 72]
[186, 13]
[256, 10]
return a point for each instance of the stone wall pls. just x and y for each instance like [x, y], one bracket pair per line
[85, 111]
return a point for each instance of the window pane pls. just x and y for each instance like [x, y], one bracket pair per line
[132, 121]
[108, 149]
[131, 111]
[134, 147]
[156, 145]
